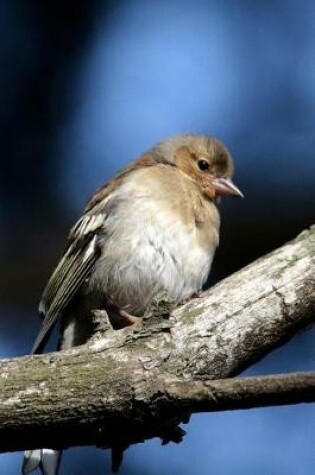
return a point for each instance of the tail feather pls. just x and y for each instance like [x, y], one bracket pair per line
[47, 460]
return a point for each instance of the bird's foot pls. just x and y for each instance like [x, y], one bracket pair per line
[197, 295]
[113, 319]
[125, 319]
[194, 295]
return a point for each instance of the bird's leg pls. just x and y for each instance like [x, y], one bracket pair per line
[197, 294]
[194, 295]
[125, 319]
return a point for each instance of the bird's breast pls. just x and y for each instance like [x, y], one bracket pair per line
[155, 244]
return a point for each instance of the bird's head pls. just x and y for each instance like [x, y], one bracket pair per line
[206, 160]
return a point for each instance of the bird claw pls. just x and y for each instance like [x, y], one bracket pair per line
[126, 319]
[195, 295]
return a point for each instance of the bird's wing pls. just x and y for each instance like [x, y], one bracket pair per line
[73, 269]
[83, 250]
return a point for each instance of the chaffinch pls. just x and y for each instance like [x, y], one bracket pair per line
[154, 227]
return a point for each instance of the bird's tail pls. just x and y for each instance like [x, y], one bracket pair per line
[47, 460]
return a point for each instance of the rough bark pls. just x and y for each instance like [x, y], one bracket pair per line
[128, 385]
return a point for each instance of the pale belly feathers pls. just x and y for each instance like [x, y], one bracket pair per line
[148, 249]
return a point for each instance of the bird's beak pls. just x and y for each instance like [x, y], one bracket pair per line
[226, 187]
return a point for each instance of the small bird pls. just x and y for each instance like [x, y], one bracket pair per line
[153, 228]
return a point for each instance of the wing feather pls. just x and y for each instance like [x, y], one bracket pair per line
[76, 264]
[68, 277]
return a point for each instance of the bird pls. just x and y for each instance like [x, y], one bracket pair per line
[154, 227]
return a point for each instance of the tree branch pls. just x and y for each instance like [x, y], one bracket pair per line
[128, 385]
[242, 393]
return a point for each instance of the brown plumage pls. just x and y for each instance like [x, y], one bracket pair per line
[154, 227]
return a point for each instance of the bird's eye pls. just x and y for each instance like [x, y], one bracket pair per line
[203, 165]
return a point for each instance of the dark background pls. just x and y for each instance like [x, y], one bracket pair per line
[85, 86]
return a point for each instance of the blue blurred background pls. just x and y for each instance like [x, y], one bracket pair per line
[87, 86]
